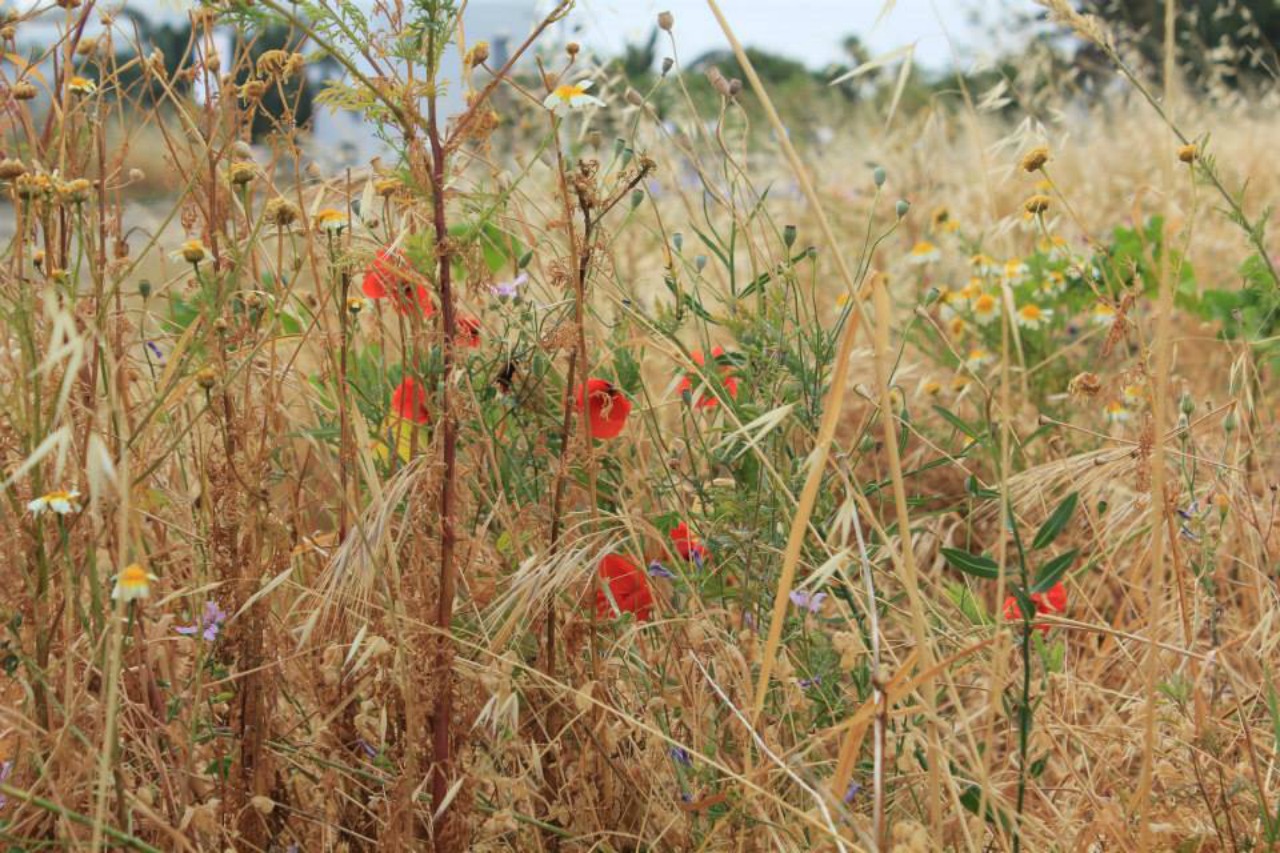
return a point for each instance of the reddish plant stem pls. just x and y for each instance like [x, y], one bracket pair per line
[442, 758]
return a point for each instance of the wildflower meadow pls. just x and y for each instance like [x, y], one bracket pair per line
[636, 453]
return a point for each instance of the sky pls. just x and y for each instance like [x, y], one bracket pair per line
[808, 30]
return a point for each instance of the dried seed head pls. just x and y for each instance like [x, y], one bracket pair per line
[634, 98]
[1034, 160]
[478, 55]
[1085, 385]
[242, 172]
[667, 62]
[281, 212]
[666, 21]
[572, 48]
[206, 377]
[136, 175]
[1188, 153]
[8, 32]
[11, 168]
[75, 192]
[23, 90]
[253, 90]
[735, 87]
[1037, 204]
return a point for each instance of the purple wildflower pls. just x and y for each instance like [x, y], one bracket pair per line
[156, 351]
[6, 767]
[681, 756]
[806, 683]
[812, 601]
[852, 792]
[210, 624]
[657, 570]
[510, 289]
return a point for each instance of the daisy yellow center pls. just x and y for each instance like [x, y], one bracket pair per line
[328, 216]
[133, 577]
[1115, 407]
[59, 495]
[924, 247]
[977, 355]
[1103, 310]
[986, 302]
[1031, 312]
[568, 92]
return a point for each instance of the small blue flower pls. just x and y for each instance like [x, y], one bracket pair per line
[852, 792]
[681, 756]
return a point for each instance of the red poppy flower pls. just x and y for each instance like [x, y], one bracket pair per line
[608, 410]
[628, 586]
[686, 544]
[386, 277]
[707, 401]
[468, 334]
[1054, 600]
[409, 401]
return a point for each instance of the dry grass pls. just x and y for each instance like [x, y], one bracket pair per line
[409, 640]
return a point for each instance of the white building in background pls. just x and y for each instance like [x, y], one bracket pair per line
[343, 138]
[338, 138]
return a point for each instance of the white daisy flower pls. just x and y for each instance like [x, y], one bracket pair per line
[571, 96]
[986, 308]
[132, 583]
[1032, 316]
[976, 358]
[1014, 271]
[331, 220]
[1104, 314]
[62, 502]
[1116, 412]
[924, 252]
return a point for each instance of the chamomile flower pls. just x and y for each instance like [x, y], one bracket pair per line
[330, 220]
[132, 583]
[1014, 271]
[976, 358]
[984, 264]
[1032, 316]
[62, 502]
[571, 96]
[986, 308]
[929, 387]
[959, 382]
[1134, 394]
[1104, 315]
[82, 85]
[972, 290]
[924, 252]
[1055, 247]
[1116, 412]
[1054, 283]
[956, 326]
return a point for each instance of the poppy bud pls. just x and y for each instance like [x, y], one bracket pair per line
[677, 240]
[902, 207]
[700, 262]
[666, 21]
[525, 259]
[637, 197]
[667, 62]
[789, 235]
[879, 175]
[144, 288]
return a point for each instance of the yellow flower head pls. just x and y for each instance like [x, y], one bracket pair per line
[132, 583]
[192, 251]
[1104, 314]
[82, 85]
[924, 252]
[1034, 160]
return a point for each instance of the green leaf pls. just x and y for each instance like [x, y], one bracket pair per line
[956, 422]
[978, 565]
[1055, 522]
[1052, 571]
